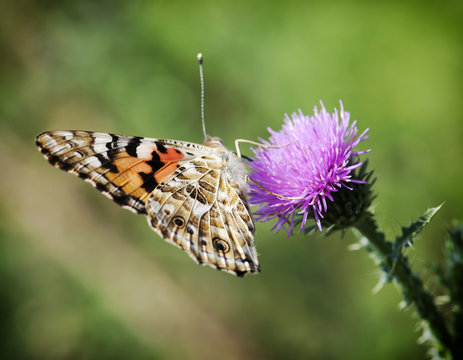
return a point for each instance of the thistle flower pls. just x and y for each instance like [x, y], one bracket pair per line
[303, 165]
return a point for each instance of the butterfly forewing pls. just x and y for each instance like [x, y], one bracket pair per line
[185, 189]
[124, 168]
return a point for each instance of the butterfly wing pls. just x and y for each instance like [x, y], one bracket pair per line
[143, 174]
[202, 210]
[124, 168]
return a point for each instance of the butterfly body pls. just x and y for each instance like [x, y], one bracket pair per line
[194, 196]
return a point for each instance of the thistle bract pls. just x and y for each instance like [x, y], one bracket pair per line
[303, 165]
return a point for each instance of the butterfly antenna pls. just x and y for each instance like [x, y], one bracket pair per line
[200, 61]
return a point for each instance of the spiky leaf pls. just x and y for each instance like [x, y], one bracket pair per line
[409, 232]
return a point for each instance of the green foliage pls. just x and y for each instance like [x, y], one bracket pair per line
[442, 333]
[406, 240]
[129, 67]
[411, 231]
[47, 313]
[454, 264]
[452, 279]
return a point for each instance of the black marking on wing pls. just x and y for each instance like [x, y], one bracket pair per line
[105, 163]
[198, 196]
[155, 163]
[132, 146]
[161, 147]
[149, 181]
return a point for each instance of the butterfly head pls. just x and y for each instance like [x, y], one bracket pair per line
[214, 142]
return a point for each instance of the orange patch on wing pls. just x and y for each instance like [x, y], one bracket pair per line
[140, 194]
[165, 171]
[127, 176]
[129, 168]
[170, 157]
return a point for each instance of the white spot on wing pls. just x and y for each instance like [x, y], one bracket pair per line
[92, 160]
[100, 148]
[144, 151]
[66, 134]
[168, 209]
[199, 209]
[102, 138]
[80, 142]
[48, 141]
[154, 205]
[62, 149]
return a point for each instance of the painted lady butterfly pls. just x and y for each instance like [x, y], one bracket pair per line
[194, 196]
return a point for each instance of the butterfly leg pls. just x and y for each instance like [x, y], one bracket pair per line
[238, 141]
[265, 146]
[272, 193]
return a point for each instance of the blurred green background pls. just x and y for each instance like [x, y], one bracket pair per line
[82, 278]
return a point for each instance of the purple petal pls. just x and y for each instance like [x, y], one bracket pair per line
[308, 161]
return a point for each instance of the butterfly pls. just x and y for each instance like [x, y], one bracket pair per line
[193, 196]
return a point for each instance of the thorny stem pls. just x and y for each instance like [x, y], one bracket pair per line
[398, 268]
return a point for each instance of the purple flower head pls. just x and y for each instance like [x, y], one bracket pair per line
[308, 160]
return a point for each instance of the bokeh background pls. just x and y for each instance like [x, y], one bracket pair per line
[82, 278]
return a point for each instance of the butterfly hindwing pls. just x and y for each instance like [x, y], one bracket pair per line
[186, 190]
[202, 211]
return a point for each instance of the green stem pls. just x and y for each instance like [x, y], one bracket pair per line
[399, 269]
